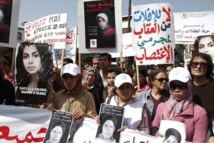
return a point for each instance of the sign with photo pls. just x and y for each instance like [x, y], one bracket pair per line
[111, 118]
[34, 65]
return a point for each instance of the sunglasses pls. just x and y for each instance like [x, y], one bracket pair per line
[202, 64]
[180, 86]
[4, 63]
[162, 79]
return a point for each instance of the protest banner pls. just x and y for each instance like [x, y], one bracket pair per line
[153, 34]
[128, 50]
[24, 124]
[71, 43]
[9, 14]
[189, 25]
[95, 37]
[50, 29]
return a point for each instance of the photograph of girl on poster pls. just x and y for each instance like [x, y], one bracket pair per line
[100, 24]
[33, 72]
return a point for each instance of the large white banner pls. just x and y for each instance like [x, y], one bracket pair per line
[153, 34]
[9, 15]
[29, 125]
[50, 29]
[189, 25]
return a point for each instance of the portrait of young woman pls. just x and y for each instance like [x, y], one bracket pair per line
[33, 72]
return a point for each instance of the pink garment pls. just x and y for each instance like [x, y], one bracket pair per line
[194, 117]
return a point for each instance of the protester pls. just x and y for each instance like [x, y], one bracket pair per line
[201, 69]
[181, 108]
[87, 62]
[113, 71]
[95, 62]
[135, 116]
[7, 91]
[67, 61]
[90, 83]
[74, 98]
[168, 68]
[142, 80]
[157, 94]
[6, 63]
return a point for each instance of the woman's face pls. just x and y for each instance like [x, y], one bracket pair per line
[199, 67]
[5, 64]
[90, 78]
[108, 129]
[31, 59]
[160, 81]
[111, 78]
[69, 81]
[56, 134]
[171, 139]
[178, 90]
[125, 92]
[102, 23]
[206, 45]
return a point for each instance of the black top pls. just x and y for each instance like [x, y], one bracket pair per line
[7, 92]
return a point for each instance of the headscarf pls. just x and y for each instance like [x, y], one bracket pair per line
[90, 69]
[176, 107]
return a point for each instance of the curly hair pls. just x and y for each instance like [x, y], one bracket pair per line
[23, 77]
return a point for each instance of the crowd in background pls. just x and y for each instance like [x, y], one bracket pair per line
[164, 92]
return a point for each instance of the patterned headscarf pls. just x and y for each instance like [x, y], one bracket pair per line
[176, 107]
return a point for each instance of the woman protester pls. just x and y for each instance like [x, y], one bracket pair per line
[74, 97]
[90, 83]
[157, 94]
[201, 69]
[135, 116]
[34, 71]
[181, 108]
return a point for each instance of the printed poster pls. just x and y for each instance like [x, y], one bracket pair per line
[153, 34]
[100, 24]
[50, 29]
[100, 30]
[111, 118]
[59, 126]
[9, 14]
[34, 65]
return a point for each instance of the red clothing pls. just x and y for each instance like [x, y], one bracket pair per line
[194, 117]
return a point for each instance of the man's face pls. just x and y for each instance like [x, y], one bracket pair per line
[104, 62]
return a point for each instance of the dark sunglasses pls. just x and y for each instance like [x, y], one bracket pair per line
[180, 86]
[4, 63]
[202, 64]
[162, 79]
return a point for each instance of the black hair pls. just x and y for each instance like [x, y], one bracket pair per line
[110, 117]
[109, 57]
[208, 58]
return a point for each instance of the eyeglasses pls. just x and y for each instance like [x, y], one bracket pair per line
[202, 64]
[162, 79]
[180, 86]
[4, 63]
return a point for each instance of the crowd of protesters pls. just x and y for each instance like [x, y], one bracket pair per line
[165, 92]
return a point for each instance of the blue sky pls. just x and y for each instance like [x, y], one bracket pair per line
[35, 9]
